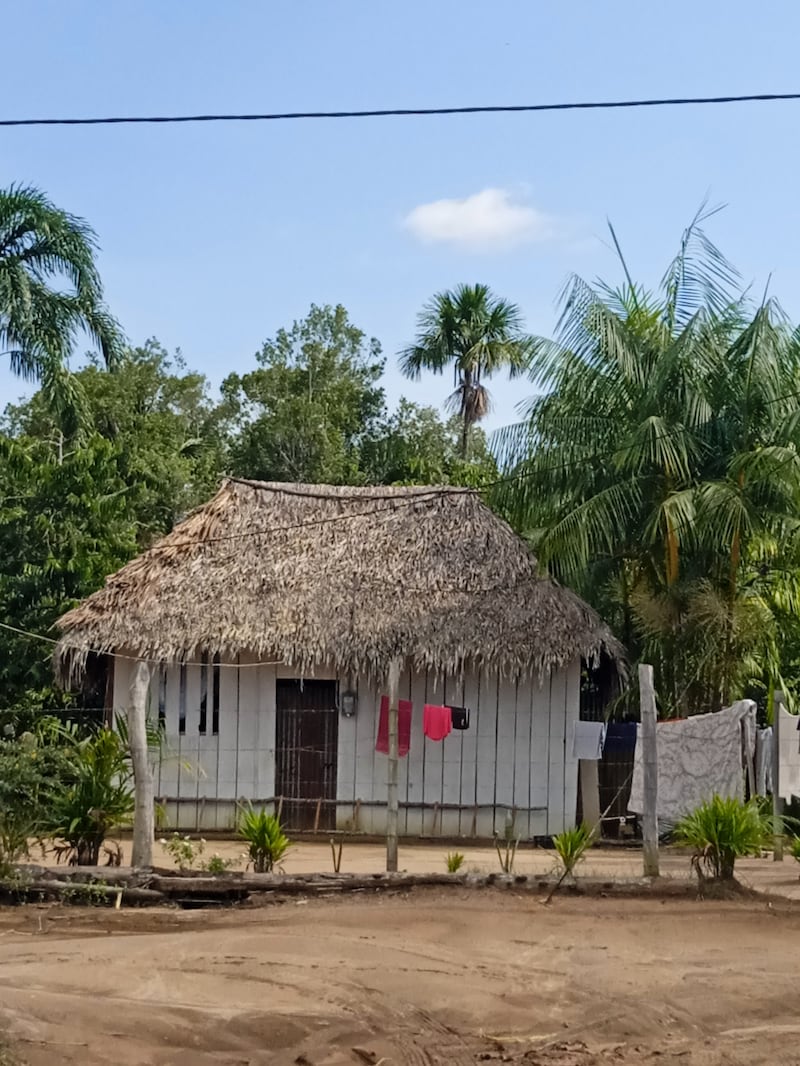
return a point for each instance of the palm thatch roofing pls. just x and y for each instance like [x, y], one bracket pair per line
[347, 578]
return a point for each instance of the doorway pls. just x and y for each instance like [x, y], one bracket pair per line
[306, 734]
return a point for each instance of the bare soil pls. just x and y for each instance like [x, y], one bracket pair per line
[435, 977]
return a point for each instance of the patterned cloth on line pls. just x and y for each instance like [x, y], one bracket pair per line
[698, 757]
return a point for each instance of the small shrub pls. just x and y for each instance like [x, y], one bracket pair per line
[183, 850]
[98, 798]
[86, 894]
[571, 846]
[794, 847]
[216, 864]
[267, 843]
[32, 775]
[722, 831]
[454, 860]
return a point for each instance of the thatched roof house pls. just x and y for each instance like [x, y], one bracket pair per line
[272, 614]
[316, 575]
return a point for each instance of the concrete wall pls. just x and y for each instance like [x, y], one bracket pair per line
[515, 760]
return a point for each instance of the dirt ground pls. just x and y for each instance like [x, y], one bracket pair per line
[433, 977]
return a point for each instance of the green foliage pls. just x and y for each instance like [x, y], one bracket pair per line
[303, 414]
[98, 798]
[267, 843]
[721, 831]
[571, 846]
[794, 847]
[183, 851]
[215, 864]
[474, 333]
[91, 893]
[454, 860]
[167, 438]
[412, 446]
[64, 525]
[32, 774]
[659, 473]
[50, 291]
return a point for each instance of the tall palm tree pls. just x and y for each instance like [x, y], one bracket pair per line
[662, 452]
[50, 290]
[477, 334]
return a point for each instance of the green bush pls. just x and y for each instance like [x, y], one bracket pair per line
[571, 846]
[32, 774]
[721, 831]
[267, 843]
[98, 798]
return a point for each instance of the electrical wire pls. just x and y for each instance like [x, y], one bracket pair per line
[406, 112]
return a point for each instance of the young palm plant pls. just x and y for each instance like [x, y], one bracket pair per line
[571, 846]
[721, 831]
[266, 841]
[99, 797]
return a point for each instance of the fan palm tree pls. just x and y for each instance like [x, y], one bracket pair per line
[50, 291]
[663, 448]
[477, 334]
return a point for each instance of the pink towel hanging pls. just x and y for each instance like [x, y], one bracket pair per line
[403, 727]
[436, 722]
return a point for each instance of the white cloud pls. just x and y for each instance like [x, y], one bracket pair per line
[486, 221]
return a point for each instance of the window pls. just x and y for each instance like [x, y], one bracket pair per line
[215, 697]
[162, 697]
[182, 701]
[203, 693]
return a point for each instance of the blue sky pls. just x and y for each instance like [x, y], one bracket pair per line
[214, 236]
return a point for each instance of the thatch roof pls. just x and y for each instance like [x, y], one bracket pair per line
[346, 577]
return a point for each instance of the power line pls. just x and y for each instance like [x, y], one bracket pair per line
[404, 112]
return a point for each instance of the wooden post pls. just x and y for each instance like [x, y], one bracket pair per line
[589, 773]
[647, 704]
[391, 792]
[144, 809]
[777, 802]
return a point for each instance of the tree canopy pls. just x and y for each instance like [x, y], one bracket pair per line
[658, 470]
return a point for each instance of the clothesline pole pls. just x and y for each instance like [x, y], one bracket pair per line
[647, 704]
[391, 793]
[777, 802]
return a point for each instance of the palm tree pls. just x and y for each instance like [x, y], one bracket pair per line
[50, 290]
[661, 455]
[476, 333]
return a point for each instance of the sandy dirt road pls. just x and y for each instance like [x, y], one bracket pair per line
[434, 977]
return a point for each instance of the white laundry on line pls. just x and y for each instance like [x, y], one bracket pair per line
[789, 755]
[588, 739]
[698, 757]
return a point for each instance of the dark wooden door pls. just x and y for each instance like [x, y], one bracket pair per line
[307, 729]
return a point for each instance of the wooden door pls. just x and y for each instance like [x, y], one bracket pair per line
[307, 730]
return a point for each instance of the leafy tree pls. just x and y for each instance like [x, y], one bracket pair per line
[303, 414]
[50, 292]
[476, 334]
[65, 524]
[169, 438]
[659, 470]
[413, 446]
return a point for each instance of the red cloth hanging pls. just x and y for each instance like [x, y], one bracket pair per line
[403, 727]
[436, 722]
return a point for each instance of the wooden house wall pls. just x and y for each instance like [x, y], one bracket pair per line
[514, 763]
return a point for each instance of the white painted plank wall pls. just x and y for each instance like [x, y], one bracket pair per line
[516, 755]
